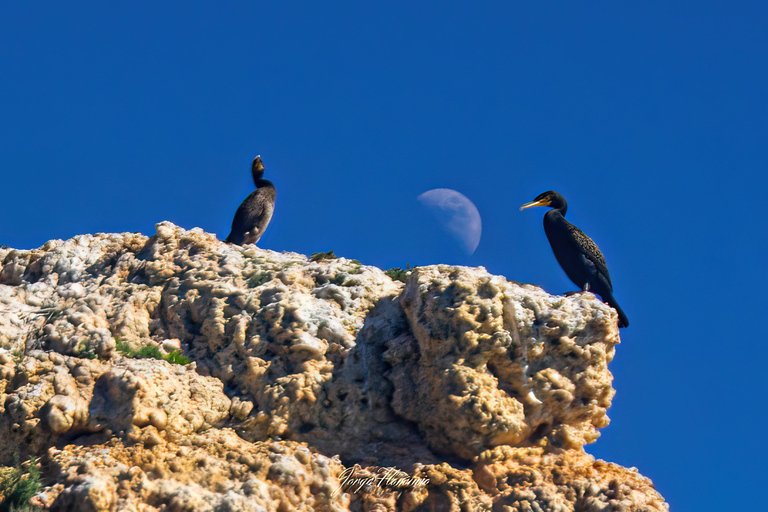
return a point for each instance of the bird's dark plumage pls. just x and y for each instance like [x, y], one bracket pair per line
[254, 214]
[577, 254]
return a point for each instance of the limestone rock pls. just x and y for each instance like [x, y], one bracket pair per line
[313, 385]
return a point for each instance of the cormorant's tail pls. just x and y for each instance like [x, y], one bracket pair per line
[623, 320]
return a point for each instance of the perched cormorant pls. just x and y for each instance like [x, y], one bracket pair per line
[577, 254]
[254, 214]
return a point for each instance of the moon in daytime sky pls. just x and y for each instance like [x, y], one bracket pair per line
[456, 214]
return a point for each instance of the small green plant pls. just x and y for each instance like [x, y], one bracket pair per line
[85, 349]
[398, 274]
[17, 486]
[338, 279]
[124, 348]
[320, 256]
[356, 268]
[176, 357]
[18, 356]
[87, 352]
[150, 352]
[259, 279]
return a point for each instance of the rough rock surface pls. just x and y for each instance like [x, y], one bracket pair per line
[313, 385]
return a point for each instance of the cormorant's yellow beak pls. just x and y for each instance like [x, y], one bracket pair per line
[540, 202]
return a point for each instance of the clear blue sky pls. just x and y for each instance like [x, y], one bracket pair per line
[651, 119]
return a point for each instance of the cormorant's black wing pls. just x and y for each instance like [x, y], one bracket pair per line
[262, 211]
[590, 250]
[236, 234]
[246, 216]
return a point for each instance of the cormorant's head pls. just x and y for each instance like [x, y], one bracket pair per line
[549, 198]
[257, 168]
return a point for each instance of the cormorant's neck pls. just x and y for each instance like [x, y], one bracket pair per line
[554, 215]
[257, 175]
[262, 183]
[562, 209]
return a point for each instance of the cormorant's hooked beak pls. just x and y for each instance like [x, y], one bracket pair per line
[540, 202]
[257, 165]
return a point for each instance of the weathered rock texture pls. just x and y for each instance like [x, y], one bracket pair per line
[313, 385]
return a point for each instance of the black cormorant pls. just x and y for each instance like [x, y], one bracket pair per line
[254, 214]
[577, 254]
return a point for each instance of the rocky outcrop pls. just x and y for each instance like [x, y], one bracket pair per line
[309, 385]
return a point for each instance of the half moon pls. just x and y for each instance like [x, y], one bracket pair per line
[456, 214]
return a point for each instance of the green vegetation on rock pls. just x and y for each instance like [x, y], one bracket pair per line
[320, 256]
[400, 274]
[150, 352]
[18, 486]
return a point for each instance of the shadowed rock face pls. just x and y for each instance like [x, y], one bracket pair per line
[310, 382]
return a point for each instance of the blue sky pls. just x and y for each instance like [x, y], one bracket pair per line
[651, 119]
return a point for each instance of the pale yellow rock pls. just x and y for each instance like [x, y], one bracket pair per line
[298, 366]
